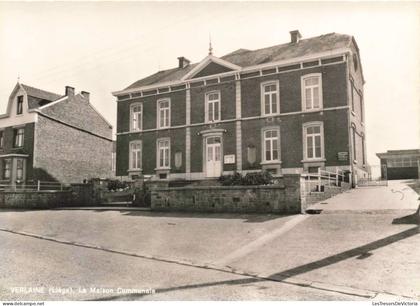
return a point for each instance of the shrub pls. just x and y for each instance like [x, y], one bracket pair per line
[117, 185]
[236, 179]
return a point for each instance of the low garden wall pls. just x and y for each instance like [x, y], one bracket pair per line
[34, 199]
[282, 197]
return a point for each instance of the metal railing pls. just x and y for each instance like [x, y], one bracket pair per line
[32, 186]
[316, 181]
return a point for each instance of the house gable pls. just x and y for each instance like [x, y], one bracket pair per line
[209, 66]
[212, 68]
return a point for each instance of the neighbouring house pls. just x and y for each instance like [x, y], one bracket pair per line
[52, 137]
[400, 164]
[289, 109]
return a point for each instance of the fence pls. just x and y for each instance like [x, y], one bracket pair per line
[315, 182]
[33, 186]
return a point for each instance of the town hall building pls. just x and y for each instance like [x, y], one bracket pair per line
[289, 108]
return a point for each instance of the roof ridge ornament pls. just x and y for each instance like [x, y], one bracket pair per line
[210, 47]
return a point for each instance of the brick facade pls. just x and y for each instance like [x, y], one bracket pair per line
[65, 139]
[242, 121]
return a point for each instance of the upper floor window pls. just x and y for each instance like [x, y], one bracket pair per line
[311, 92]
[18, 137]
[313, 135]
[19, 105]
[136, 111]
[1, 139]
[163, 153]
[212, 106]
[135, 155]
[164, 113]
[271, 145]
[270, 102]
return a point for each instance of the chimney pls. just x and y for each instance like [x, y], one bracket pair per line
[183, 62]
[86, 95]
[295, 36]
[69, 91]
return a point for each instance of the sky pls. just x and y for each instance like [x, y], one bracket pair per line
[103, 47]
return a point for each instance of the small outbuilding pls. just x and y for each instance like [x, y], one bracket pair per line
[400, 164]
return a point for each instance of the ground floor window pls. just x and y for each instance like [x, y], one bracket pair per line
[19, 169]
[271, 145]
[135, 155]
[163, 153]
[7, 166]
[313, 140]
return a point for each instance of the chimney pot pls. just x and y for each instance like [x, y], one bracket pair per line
[69, 91]
[295, 36]
[86, 95]
[183, 62]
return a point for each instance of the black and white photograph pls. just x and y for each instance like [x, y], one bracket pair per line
[209, 151]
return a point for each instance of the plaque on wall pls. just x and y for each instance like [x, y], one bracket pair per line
[229, 159]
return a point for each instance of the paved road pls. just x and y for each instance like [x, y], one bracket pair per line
[341, 255]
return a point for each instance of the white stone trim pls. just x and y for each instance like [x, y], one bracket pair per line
[207, 60]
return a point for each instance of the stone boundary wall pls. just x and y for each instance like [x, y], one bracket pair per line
[34, 199]
[329, 191]
[282, 197]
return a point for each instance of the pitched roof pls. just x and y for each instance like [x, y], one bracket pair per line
[40, 97]
[246, 58]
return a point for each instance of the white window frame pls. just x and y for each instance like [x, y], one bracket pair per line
[159, 113]
[305, 140]
[207, 105]
[303, 92]
[131, 151]
[134, 118]
[18, 142]
[263, 146]
[158, 147]
[277, 92]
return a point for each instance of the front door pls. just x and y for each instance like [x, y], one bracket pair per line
[213, 156]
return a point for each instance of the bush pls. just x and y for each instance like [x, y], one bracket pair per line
[250, 179]
[117, 185]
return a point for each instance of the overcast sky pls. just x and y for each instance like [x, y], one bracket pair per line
[102, 47]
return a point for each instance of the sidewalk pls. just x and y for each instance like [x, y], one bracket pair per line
[396, 196]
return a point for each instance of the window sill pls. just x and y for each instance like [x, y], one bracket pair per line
[163, 128]
[268, 163]
[270, 115]
[163, 169]
[317, 160]
[316, 110]
[135, 131]
[134, 170]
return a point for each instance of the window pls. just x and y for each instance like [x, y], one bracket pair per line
[1, 139]
[398, 162]
[271, 145]
[19, 105]
[163, 153]
[361, 107]
[311, 92]
[363, 150]
[135, 155]
[313, 141]
[213, 106]
[136, 117]
[18, 137]
[113, 161]
[7, 165]
[164, 111]
[270, 98]
[352, 94]
[19, 169]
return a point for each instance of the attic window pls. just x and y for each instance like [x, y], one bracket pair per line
[355, 62]
[19, 108]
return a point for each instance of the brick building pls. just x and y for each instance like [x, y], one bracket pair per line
[51, 137]
[400, 164]
[290, 108]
